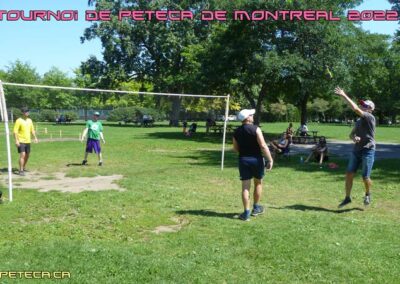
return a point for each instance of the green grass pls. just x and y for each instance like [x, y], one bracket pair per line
[107, 237]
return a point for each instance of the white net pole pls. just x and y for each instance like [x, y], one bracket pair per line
[5, 118]
[224, 136]
[2, 110]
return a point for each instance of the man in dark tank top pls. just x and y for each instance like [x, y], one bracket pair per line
[363, 154]
[249, 142]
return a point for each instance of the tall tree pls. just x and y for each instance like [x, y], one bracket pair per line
[19, 72]
[58, 99]
[264, 59]
[152, 51]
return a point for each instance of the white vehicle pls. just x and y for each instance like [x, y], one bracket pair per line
[230, 117]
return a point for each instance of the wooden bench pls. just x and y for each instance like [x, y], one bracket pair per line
[308, 139]
[220, 128]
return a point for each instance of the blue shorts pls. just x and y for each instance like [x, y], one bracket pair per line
[251, 167]
[365, 158]
[93, 145]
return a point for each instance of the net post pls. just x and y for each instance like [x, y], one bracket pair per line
[5, 118]
[224, 135]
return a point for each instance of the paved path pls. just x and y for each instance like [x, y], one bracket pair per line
[343, 148]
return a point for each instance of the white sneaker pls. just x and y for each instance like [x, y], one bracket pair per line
[367, 200]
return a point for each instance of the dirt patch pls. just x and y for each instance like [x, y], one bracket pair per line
[59, 182]
[172, 228]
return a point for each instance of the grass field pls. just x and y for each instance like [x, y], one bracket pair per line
[176, 182]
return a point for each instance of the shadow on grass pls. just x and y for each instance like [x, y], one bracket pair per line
[207, 213]
[75, 165]
[199, 136]
[301, 207]
[5, 170]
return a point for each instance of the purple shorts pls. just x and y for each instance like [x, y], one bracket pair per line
[93, 144]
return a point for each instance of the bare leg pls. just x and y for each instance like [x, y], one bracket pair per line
[246, 193]
[257, 190]
[349, 183]
[21, 161]
[26, 158]
[308, 158]
[367, 184]
[321, 159]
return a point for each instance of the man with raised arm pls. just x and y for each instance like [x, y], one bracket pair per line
[363, 154]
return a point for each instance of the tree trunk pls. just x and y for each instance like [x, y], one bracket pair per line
[176, 108]
[260, 99]
[303, 109]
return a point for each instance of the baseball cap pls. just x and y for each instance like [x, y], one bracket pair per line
[24, 109]
[96, 113]
[245, 113]
[367, 104]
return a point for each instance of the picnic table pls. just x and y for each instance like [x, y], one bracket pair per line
[220, 128]
[306, 139]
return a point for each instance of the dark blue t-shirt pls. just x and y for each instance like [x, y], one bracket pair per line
[246, 137]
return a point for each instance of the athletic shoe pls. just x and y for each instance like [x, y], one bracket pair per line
[84, 162]
[257, 211]
[346, 201]
[21, 173]
[100, 164]
[244, 216]
[367, 200]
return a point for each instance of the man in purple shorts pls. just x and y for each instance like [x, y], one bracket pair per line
[94, 130]
[363, 154]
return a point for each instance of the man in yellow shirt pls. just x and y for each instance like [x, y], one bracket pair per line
[22, 133]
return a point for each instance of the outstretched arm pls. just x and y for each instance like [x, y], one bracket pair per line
[349, 101]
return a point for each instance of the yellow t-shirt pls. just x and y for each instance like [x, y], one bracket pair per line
[23, 128]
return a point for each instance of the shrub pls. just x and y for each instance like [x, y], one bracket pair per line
[36, 117]
[131, 114]
[71, 116]
[48, 115]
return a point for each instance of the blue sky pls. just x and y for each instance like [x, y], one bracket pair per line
[47, 44]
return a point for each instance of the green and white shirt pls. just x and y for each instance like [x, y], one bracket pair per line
[94, 129]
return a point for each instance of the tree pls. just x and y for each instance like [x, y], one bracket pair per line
[320, 106]
[262, 60]
[19, 72]
[149, 51]
[370, 71]
[58, 99]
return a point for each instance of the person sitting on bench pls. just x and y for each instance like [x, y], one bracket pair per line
[281, 146]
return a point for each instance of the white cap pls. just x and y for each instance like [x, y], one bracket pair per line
[245, 113]
[367, 104]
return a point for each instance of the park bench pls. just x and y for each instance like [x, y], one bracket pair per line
[220, 128]
[307, 139]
